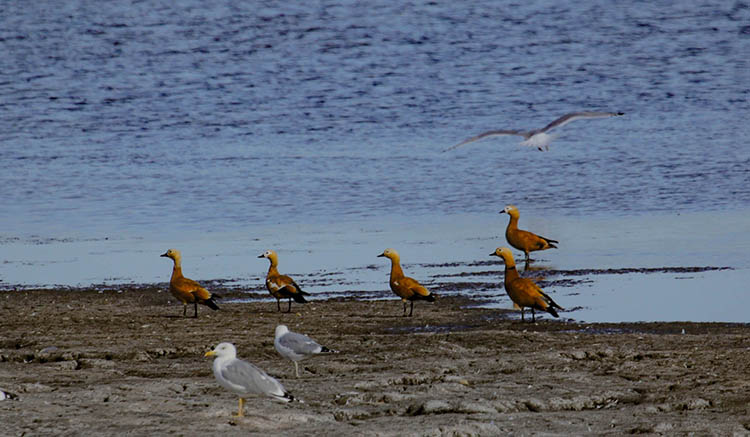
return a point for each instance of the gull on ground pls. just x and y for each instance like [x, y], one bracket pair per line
[296, 347]
[243, 378]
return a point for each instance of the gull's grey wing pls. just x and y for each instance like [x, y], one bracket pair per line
[299, 343]
[253, 380]
[573, 116]
[483, 135]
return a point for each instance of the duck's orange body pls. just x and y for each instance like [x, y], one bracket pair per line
[186, 290]
[522, 291]
[406, 288]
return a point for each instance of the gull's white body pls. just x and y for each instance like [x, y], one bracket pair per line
[539, 140]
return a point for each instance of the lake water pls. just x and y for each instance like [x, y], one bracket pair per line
[317, 129]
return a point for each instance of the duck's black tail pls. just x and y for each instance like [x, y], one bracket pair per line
[299, 298]
[551, 242]
[551, 305]
[210, 303]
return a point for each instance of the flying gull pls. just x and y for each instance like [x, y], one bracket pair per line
[539, 138]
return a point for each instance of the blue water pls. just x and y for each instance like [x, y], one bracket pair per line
[227, 128]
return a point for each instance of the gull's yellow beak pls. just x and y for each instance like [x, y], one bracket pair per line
[209, 354]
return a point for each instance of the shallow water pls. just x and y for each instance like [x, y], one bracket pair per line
[605, 269]
[317, 129]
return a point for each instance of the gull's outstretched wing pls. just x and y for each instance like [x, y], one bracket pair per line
[573, 116]
[490, 133]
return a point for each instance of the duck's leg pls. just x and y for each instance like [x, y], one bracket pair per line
[411, 308]
[278, 304]
[184, 310]
[289, 308]
[533, 315]
[522, 320]
[195, 315]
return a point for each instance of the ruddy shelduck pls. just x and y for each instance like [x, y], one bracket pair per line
[186, 290]
[281, 286]
[524, 240]
[522, 291]
[406, 288]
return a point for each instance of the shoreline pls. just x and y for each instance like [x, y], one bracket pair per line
[126, 361]
[608, 268]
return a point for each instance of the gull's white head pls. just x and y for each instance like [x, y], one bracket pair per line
[281, 330]
[222, 350]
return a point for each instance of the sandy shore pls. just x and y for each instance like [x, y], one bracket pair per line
[126, 361]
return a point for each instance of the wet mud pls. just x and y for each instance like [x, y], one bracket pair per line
[125, 361]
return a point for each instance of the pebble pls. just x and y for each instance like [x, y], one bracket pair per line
[476, 408]
[432, 406]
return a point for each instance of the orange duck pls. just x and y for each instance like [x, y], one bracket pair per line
[522, 291]
[405, 287]
[281, 286]
[524, 240]
[186, 290]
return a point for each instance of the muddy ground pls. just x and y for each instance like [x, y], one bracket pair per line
[126, 362]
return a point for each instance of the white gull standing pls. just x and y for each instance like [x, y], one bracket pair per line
[243, 378]
[296, 347]
[539, 138]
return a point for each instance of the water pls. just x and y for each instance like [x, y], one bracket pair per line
[317, 129]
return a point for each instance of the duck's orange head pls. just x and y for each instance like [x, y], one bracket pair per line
[391, 254]
[505, 254]
[511, 211]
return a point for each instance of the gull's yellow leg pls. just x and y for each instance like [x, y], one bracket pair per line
[241, 411]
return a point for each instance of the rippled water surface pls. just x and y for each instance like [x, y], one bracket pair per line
[124, 124]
